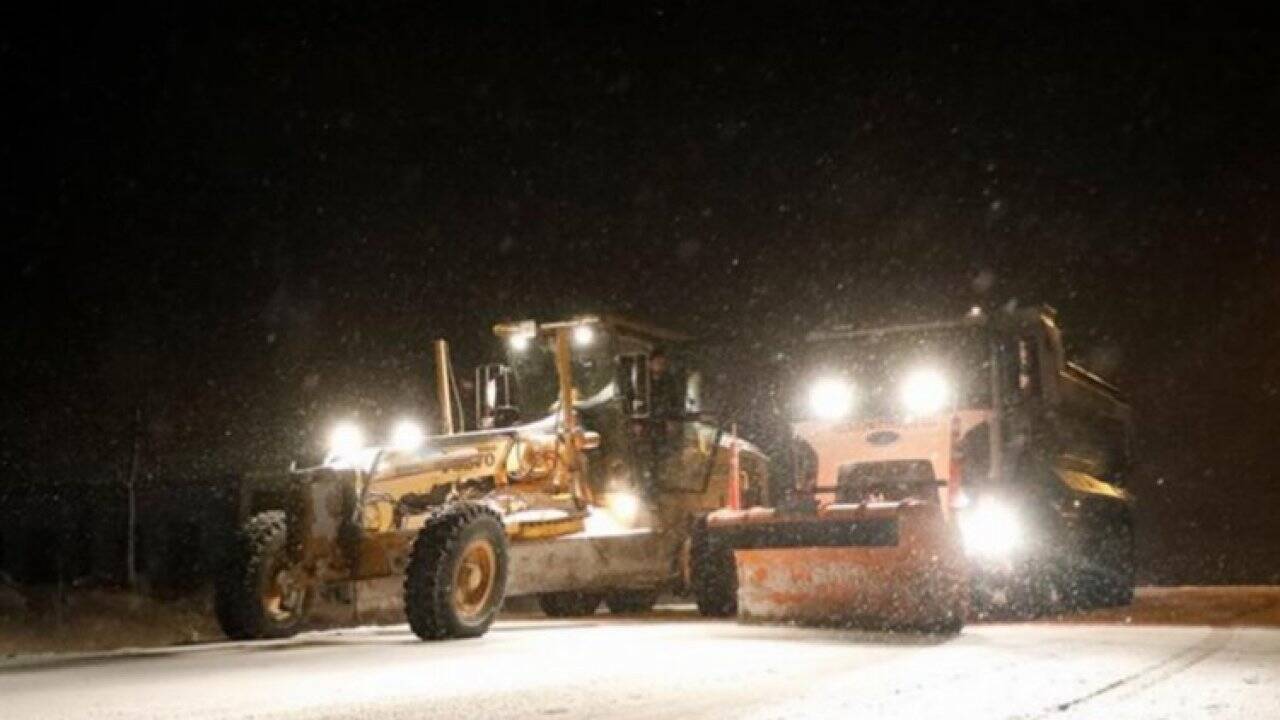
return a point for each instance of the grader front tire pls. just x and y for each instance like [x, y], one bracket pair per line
[714, 573]
[457, 575]
[257, 594]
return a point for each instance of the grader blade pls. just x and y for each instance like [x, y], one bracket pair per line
[874, 565]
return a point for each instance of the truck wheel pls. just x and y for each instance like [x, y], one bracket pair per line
[456, 579]
[714, 574]
[630, 602]
[568, 604]
[1031, 594]
[952, 623]
[1115, 577]
[259, 593]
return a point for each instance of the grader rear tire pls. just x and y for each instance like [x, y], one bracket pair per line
[568, 604]
[630, 602]
[714, 573]
[457, 575]
[257, 593]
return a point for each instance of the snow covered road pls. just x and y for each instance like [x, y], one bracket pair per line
[675, 665]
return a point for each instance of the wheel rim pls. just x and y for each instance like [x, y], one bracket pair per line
[473, 580]
[283, 596]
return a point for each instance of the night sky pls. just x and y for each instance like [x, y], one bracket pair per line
[247, 223]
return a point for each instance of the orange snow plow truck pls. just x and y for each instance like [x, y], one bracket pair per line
[865, 564]
[934, 465]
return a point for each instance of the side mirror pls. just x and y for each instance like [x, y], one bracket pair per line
[493, 396]
[633, 384]
[693, 395]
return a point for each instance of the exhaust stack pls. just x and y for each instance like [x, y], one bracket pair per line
[443, 395]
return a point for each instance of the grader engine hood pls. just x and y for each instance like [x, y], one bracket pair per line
[318, 505]
[298, 493]
[329, 506]
[427, 479]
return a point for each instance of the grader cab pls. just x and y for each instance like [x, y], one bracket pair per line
[580, 485]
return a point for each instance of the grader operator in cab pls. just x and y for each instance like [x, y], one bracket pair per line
[568, 490]
[938, 463]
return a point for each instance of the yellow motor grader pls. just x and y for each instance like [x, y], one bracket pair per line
[584, 481]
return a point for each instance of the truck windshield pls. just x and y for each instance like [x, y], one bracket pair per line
[877, 365]
[536, 388]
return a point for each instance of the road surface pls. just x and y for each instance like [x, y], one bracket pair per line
[673, 664]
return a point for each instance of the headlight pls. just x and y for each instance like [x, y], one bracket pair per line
[830, 398]
[407, 436]
[519, 342]
[625, 506]
[990, 529]
[925, 392]
[345, 439]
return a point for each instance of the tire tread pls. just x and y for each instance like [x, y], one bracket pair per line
[427, 584]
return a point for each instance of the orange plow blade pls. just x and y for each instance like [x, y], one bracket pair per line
[873, 565]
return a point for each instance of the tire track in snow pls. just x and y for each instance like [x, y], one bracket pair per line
[1147, 677]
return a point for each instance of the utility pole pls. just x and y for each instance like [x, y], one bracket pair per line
[131, 560]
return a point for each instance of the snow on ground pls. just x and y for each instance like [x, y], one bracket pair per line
[100, 621]
[675, 665]
[1178, 653]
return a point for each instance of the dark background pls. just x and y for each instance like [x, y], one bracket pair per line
[242, 224]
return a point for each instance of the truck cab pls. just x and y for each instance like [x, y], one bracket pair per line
[985, 416]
